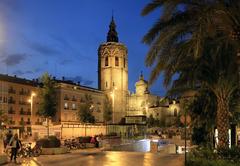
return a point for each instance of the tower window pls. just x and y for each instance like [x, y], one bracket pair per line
[175, 112]
[106, 84]
[116, 61]
[124, 62]
[106, 61]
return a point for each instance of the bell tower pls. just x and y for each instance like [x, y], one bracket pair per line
[113, 72]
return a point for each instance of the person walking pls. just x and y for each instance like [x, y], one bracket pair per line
[7, 138]
[15, 144]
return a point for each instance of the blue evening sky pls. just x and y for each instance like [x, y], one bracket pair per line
[62, 37]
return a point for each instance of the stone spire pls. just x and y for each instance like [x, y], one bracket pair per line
[141, 76]
[112, 33]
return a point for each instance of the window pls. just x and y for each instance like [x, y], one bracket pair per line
[124, 62]
[116, 61]
[106, 84]
[175, 112]
[73, 106]
[106, 61]
[65, 105]
[66, 97]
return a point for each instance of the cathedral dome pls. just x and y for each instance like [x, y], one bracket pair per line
[141, 86]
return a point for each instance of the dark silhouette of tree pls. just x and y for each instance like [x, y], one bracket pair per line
[86, 109]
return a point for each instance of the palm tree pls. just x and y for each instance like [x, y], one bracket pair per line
[181, 36]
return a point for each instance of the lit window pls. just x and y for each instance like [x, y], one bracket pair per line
[116, 61]
[74, 106]
[65, 105]
[106, 61]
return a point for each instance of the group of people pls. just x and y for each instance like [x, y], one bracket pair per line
[13, 142]
[95, 140]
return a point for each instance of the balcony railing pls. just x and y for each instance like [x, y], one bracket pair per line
[24, 93]
[23, 103]
[28, 123]
[66, 98]
[12, 91]
[11, 112]
[11, 101]
[38, 123]
[28, 113]
[12, 122]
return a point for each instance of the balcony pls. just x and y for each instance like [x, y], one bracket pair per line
[22, 103]
[11, 91]
[12, 122]
[11, 101]
[28, 113]
[28, 123]
[38, 123]
[11, 112]
[66, 98]
[22, 122]
[22, 112]
[24, 93]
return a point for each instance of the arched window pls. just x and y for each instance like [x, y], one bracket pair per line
[106, 61]
[116, 61]
[175, 112]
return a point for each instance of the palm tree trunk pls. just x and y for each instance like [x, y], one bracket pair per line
[222, 122]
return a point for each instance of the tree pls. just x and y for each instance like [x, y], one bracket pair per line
[85, 111]
[47, 106]
[185, 32]
[107, 114]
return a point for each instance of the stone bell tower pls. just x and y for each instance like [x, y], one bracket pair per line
[113, 72]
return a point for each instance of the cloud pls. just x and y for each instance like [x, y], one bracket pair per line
[43, 48]
[81, 80]
[14, 59]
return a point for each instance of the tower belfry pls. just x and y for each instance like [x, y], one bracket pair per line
[112, 33]
[113, 72]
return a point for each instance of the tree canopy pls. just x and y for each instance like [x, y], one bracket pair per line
[47, 106]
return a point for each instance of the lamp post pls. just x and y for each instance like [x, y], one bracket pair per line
[113, 101]
[31, 102]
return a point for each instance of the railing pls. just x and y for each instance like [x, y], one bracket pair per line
[24, 93]
[11, 101]
[23, 103]
[28, 122]
[12, 122]
[12, 91]
[11, 112]
[38, 123]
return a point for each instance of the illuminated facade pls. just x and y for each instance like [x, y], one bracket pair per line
[112, 82]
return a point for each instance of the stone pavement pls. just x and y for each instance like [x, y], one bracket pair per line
[97, 157]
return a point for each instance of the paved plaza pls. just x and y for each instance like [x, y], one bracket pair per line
[96, 157]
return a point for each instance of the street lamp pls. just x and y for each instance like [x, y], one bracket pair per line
[113, 101]
[31, 102]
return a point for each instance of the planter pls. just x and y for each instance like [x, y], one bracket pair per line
[3, 159]
[54, 151]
